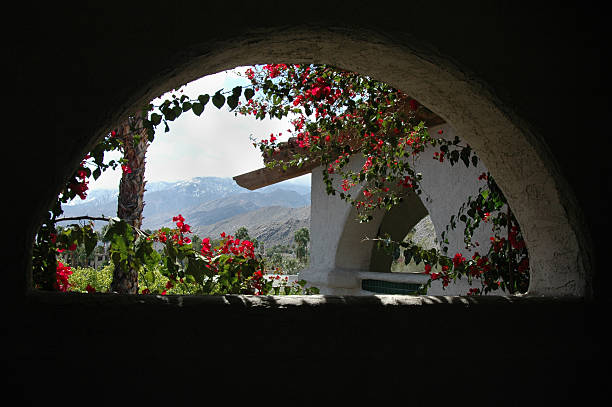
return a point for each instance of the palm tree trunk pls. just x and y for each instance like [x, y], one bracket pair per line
[131, 194]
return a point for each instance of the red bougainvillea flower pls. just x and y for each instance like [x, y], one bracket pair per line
[427, 268]
[183, 227]
[146, 291]
[61, 277]
[473, 291]
[205, 246]
[81, 173]
[458, 260]
[414, 104]
[250, 74]
[368, 163]
[90, 289]
[346, 185]
[512, 237]
[126, 169]
[80, 188]
[523, 266]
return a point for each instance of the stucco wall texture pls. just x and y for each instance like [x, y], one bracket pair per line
[523, 84]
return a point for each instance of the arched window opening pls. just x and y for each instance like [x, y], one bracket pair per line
[477, 118]
[422, 234]
[353, 127]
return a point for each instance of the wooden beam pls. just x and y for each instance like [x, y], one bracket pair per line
[263, 177]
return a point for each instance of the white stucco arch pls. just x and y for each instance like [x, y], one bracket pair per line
[341, 258]
[540, 198]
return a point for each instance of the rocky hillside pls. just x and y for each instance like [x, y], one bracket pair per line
[272, 224]
[213, 205]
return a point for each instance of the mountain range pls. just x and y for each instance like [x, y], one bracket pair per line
[212, 205]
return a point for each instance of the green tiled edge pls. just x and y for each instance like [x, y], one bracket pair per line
[387, 287]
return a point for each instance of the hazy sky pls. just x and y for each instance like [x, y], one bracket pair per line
[214, 144]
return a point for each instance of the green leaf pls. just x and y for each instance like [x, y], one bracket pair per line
[169, 114]
[465, 156]
[454, 156]
[237, 91]
[218, 100]
[91, 241]
[177, 111]
[96, 174]
[232, 102]
[150, 277]
[203, 99]
[249, 93]
[196, 267]
[156, 118]
[407, 256]
[197, 108]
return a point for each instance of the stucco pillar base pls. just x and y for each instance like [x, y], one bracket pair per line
[333, 281]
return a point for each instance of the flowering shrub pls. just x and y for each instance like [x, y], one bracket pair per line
[90, 280]
[229, 268]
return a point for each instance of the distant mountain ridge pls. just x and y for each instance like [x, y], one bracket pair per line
[210, 204]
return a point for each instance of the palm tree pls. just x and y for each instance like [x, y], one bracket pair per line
[131, 193]
[302, 237]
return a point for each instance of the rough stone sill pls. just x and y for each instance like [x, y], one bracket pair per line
[280, 302]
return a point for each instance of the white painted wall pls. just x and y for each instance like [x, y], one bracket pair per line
[339, 259]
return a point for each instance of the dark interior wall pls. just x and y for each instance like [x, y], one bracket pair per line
[71, 67]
